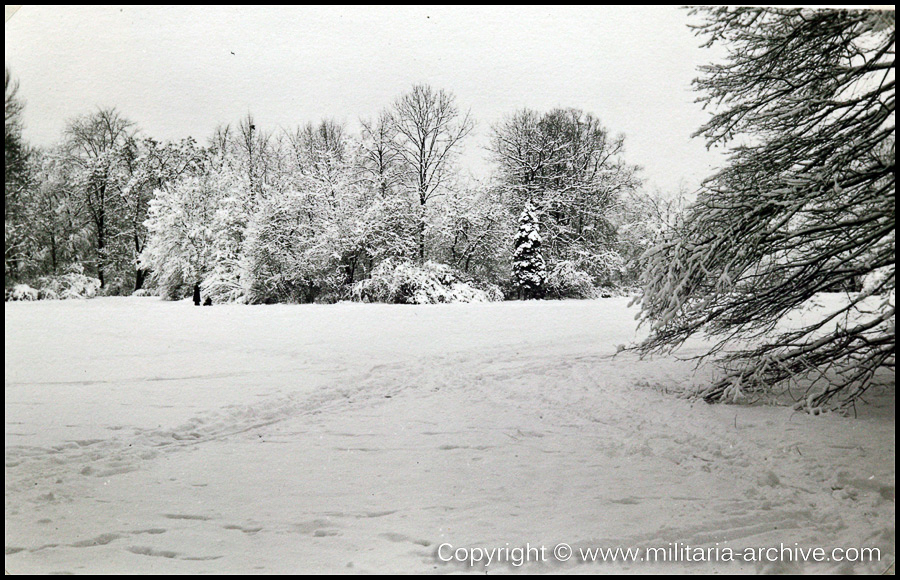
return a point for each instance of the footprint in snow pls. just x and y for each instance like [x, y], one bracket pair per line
[186, 517]
[242, 528]
[148, 551]
[100, 540]
[626, 501]
[399, 538]
[186, 437]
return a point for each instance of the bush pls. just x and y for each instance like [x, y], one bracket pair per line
[292, 287]
[223, 284]
[430, 283]
[566, 281]
[21, 292]
[612, 291]
[494, 293]
[67, 286]
[47, 294]
[341, 294]
[117, 286]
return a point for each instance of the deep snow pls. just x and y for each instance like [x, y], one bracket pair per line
[156, 437]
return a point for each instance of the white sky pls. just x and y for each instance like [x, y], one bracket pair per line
[179, 71]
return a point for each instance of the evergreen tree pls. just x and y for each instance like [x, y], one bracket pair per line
[529, 269]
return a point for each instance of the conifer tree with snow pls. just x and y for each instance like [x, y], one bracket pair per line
[529, 268]
[804, 205]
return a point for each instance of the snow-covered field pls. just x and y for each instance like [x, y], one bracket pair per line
[156, 437]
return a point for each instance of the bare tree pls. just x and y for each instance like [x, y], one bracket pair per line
[429, 130]
[319, 151]
[806, 206]
[379, 157]
[254, 152]
[250, 153]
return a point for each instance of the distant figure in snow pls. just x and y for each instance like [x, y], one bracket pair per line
[196, 294]
[208, 301]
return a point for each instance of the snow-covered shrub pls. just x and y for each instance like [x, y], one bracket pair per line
[117, 286]
[21, 292]
[566, 281]
[335, 295]
[611, 291]
[607, 267]
[493, 291]
[142, 292]
[47, 294]
[290, 287]
[74, 284]
[431, 283]
[223, 283]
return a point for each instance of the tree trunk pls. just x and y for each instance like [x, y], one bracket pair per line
[422, 240]
[101, 244]
[53, 263]
[140, 275]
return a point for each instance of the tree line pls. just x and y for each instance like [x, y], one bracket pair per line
[301, 215]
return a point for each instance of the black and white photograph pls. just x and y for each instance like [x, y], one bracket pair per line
[449, 289]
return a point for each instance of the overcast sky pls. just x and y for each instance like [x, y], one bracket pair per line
[180, 71]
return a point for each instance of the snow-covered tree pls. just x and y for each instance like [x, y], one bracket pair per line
[14, 149]
[179, 251]
[302, 244]
[249, 153]
[393, 216]
[98, 152]
[325, 228]
[226, 280]
[642, 219]
[529, 268]
[152, 166]
[16, 183]
[574, 169]
[471, 230]
[806, 204]
[58, 237]
[195, 224]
